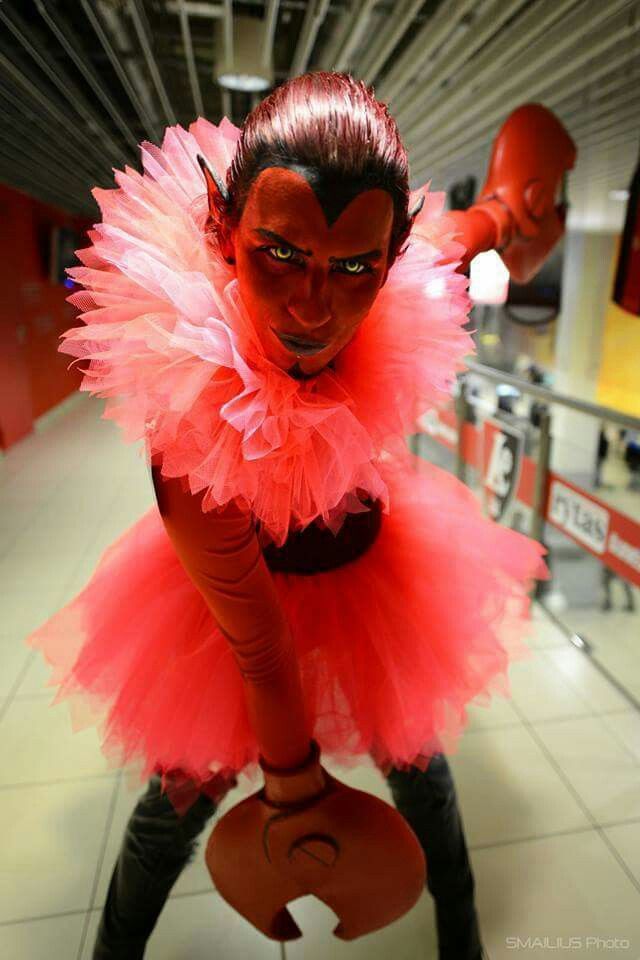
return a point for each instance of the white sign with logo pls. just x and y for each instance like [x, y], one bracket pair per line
[580, 517]
[504, 445]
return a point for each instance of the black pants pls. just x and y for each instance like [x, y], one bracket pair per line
[158, 844]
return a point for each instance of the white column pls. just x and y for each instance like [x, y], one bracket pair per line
[586, 291]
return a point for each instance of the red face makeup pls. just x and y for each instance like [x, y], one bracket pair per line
[308, 284]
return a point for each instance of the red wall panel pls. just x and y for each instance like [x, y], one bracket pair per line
[33, 314]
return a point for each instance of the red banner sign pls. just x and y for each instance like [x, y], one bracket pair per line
[507, 473]
[609, 535]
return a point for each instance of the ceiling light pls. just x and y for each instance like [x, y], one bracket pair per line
[243, 66]
[249, 82]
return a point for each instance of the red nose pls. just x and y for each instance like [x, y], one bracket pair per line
[309, 316]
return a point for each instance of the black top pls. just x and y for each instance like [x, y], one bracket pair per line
[316, 549]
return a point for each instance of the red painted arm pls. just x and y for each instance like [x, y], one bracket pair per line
[305, 832]
[220, 552]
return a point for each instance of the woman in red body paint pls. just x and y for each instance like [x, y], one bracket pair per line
[274, 347]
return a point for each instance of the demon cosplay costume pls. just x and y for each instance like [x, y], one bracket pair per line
[403, 603]
[392, 645]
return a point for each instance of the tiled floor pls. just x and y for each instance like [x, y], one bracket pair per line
[549, 781]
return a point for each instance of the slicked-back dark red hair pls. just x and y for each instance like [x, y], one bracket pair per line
[343, 139]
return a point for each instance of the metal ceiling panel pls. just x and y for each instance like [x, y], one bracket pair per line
[83, 81]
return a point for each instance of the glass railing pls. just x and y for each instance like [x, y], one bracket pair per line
[566, 472]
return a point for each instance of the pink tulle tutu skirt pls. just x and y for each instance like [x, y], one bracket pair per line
[392, 646]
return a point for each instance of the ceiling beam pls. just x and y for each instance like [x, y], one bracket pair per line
[61, 117]
[62, 31]
[91, 13]
[17, 165]
[313, 19]
[386, 40]
[270, 21]
[440, 102]
[28, 183]
[17, 115]
[445, 67]
[348, 36]
[462, 133]
[425, 42]
[141, 27]
[196, 93]
[61, 81]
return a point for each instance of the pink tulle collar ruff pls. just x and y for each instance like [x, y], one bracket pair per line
[166, 341]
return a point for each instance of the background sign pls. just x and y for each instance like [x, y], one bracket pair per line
[508, 475]
[609, 535]
[503, 448]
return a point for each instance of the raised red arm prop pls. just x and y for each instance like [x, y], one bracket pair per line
[305, 833]
[516, 212]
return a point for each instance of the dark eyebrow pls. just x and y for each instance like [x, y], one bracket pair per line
[270, 235]
[369, 255]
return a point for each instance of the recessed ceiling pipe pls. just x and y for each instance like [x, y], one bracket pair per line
[460, 135]
[52, 166]
[624, 116]
[63, 120]
[196, 93]
[623, 147]
[619, 79]
[343, 19]
[356, 24]
[37, 162]
[386, 40]
[20, 165]
[31, 186]
[22, 124]
[610, 135]
[440, 102]
[575, 109]
[313, 19]
[91, 13]
[61, 80]
[446, 159]
[426, 41]
[140, 24]
[619, 173]
[628, 140]
[270, 21]
[85, 68]
[29, 114]
[534, 79]
[411, 103]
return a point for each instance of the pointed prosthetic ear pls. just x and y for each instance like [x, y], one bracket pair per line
[218, 199]
[215, 184]
[416, 210]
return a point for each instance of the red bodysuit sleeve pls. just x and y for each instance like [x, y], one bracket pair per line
[304, 832]
[220, 552]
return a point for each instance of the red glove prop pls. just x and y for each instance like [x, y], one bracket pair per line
[307, 833]
[516, 212]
